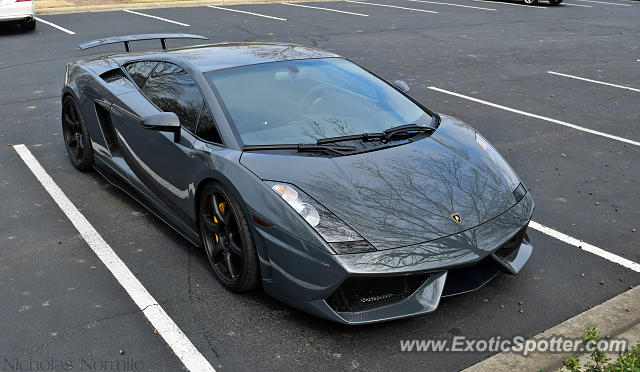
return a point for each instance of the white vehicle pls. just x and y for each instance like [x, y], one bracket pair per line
[21, 11]
[535, 2]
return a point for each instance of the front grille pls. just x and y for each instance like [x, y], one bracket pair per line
[513, 243]
[357, 294]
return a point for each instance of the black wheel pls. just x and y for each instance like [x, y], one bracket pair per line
[29, 25]
[76, 136]
[227, 239]
[555, 2]
[531, 2]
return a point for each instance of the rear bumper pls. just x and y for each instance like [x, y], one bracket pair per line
[306, 278]
[17, 11]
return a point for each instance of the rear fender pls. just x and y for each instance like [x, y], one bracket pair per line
[85, 83]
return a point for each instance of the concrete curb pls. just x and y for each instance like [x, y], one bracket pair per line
[611, 318]
[151, 5]
[631, 335]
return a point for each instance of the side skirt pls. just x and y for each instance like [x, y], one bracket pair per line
[113, 177]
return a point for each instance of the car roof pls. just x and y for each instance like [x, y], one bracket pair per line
[225, 55]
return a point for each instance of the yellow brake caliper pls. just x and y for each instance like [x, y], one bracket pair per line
[221, 206]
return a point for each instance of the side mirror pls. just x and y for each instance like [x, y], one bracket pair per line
[163, 122]
[402, 85]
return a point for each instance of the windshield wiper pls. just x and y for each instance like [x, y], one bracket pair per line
[384, 137]
[365, 137]
[303, 147]
[407, 129]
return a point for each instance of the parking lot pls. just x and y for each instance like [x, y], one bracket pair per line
[555, 89]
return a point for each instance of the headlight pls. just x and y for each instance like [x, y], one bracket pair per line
[291, 196]
[333, 230]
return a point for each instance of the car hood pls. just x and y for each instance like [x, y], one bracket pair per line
[406, 194]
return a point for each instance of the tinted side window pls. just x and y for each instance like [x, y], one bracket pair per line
[172, 89]
[207, 127]
[140, 71]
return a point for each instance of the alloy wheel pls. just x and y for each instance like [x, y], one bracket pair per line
[222, 238]
[72, 132]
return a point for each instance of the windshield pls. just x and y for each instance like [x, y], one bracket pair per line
[300, 102]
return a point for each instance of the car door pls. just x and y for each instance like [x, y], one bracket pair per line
[161, 167]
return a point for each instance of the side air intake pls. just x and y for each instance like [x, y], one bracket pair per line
[112, 76]
[104, 119]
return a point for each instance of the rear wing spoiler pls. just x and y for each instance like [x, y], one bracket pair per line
[126, 39]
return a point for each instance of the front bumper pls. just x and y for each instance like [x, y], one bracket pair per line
[17, 11]
[309, 279]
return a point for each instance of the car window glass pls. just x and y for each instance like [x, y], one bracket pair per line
[316, 99]
[207, 127]
[172, 89]
[139, 71]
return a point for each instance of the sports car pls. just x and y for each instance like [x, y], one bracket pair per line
[300, 172]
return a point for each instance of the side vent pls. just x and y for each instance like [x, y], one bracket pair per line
[113, 76]
[104, 119]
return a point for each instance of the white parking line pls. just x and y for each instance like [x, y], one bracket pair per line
[242, 11]
[177, 341]
[514, 4]
[586, 247]
[573, 126]
[594, 81]
[55, 26]
[330, 10]
[584, 6]
[391, 6]
[154, 17]
[604, 2]
[458, 5]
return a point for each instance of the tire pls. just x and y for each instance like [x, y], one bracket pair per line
[227, 239]
[555, 2]
[28, 25]
[76, 135]
[531, 2]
